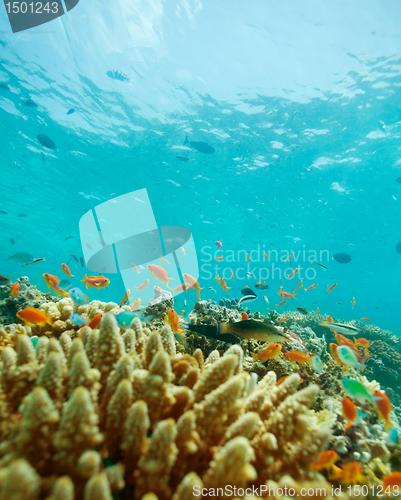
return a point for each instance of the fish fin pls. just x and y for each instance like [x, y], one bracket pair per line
[186, 140]
[181, 338]
[254, 356]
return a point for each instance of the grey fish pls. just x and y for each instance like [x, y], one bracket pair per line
[68, 238]
[12, 241]
[71, 111]
[30, 104]
[22, 215]
[74, 257]
[4, 280]
[182, 158]
[2, 212]
[398, 247]
[46, 141]
[251, 329]
[117, 75]
[342, 258]
[319, 264]
[81, 260]
[200, 146]
[248, 291]
[211, 288]
[247, 298]
[21, 257]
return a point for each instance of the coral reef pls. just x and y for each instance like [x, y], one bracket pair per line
[126, 413]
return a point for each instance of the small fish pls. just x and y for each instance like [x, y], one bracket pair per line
[182, 250]
[283, 320]
[250, 275]
[353, 302]
[125, 298]
[311, 287]
[15, 290]
[366, 319]
[2, 212]
[71, 111]
[348, 357]
[135, 304]
[116, 74]
[244, 316]
[98, 282]
[339, 327]
[294, 272]
[163, 260]
[261, 285]
[66, 270]
[392, 438]
[331, 288]
[160, 274]
[248, 291]
[289, 257]
[30, 104]
[77, 320]
[287, 295]
[143, 285]
[21, 257]
[78, 296]
[200, 146]
[68, 238]
[247, 298]
[34, 262]
[392, 482]
[192, 282]
[46, 141]
[182, 287]
[4, 280]
[269, 353]
[31, 316]
[12, 241]
[349, 474]
[43, 158]
[219, 258]
[384, 406]
[319, 264]
[22, 215]
[248, 258]
[265, 255]
[342, 258]
[211, 288]
[317, 364]
[356, 390]
[173, 321]
[325, 460]
[182, 158]
[232, 274]
[95, 321]
[340, 303]
[124, 319]
[302, 310]
[135, 268]
[64, 285]
[74, 257]
[281, 303]
[265, 299]
[351, 412]
[317, 310]
[219, 244]
[81, 260]
[300, 285]
[297, 357]
[251, 329]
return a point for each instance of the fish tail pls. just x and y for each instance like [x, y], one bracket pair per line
[50, 320]
[167, 282]
[85, 278]
[181, 337]
[254, 356]
[186, 140]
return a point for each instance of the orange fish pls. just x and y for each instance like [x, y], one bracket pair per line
[300, 285]
[391, 482]
[219, 258]
[325, 460]
[172, 318]
[244, 316]
[51, 281]
[311, 287]
[15, 291]
[353, 302]
[384, 406]
[143, 285]
[294, 272]
[224, 286]
[219, 244]
[289, 257]
[96, 282]
[248, 258]
[182, 250]
[217, 278]
[66, 270]
[282, 320]
[349, 474]
[95, 321]
[270, 352]
[265, 255]
[333, 353]
[361, 342]
[281, 380]
[160, 274]
[162, 259]
[125, 298]
[135, 268]
[31, 316]
[287, 295]
[351, 412]
[135, 304]
[331, 288]
[281, 303]
[192, 282]
[366, 319]
[329, 319]
[182, 287]
[297, 357]
[232, 274]
[341, 340]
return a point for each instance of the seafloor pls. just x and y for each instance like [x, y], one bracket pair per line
[135, 414]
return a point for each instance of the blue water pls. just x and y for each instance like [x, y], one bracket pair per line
[301, 103]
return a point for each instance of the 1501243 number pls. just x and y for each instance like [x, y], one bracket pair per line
[32, 7]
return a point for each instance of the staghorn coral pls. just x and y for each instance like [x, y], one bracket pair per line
[168, 421]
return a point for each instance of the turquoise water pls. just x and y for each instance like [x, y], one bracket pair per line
[300, 103]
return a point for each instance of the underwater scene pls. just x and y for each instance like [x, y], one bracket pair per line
[200, 250]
